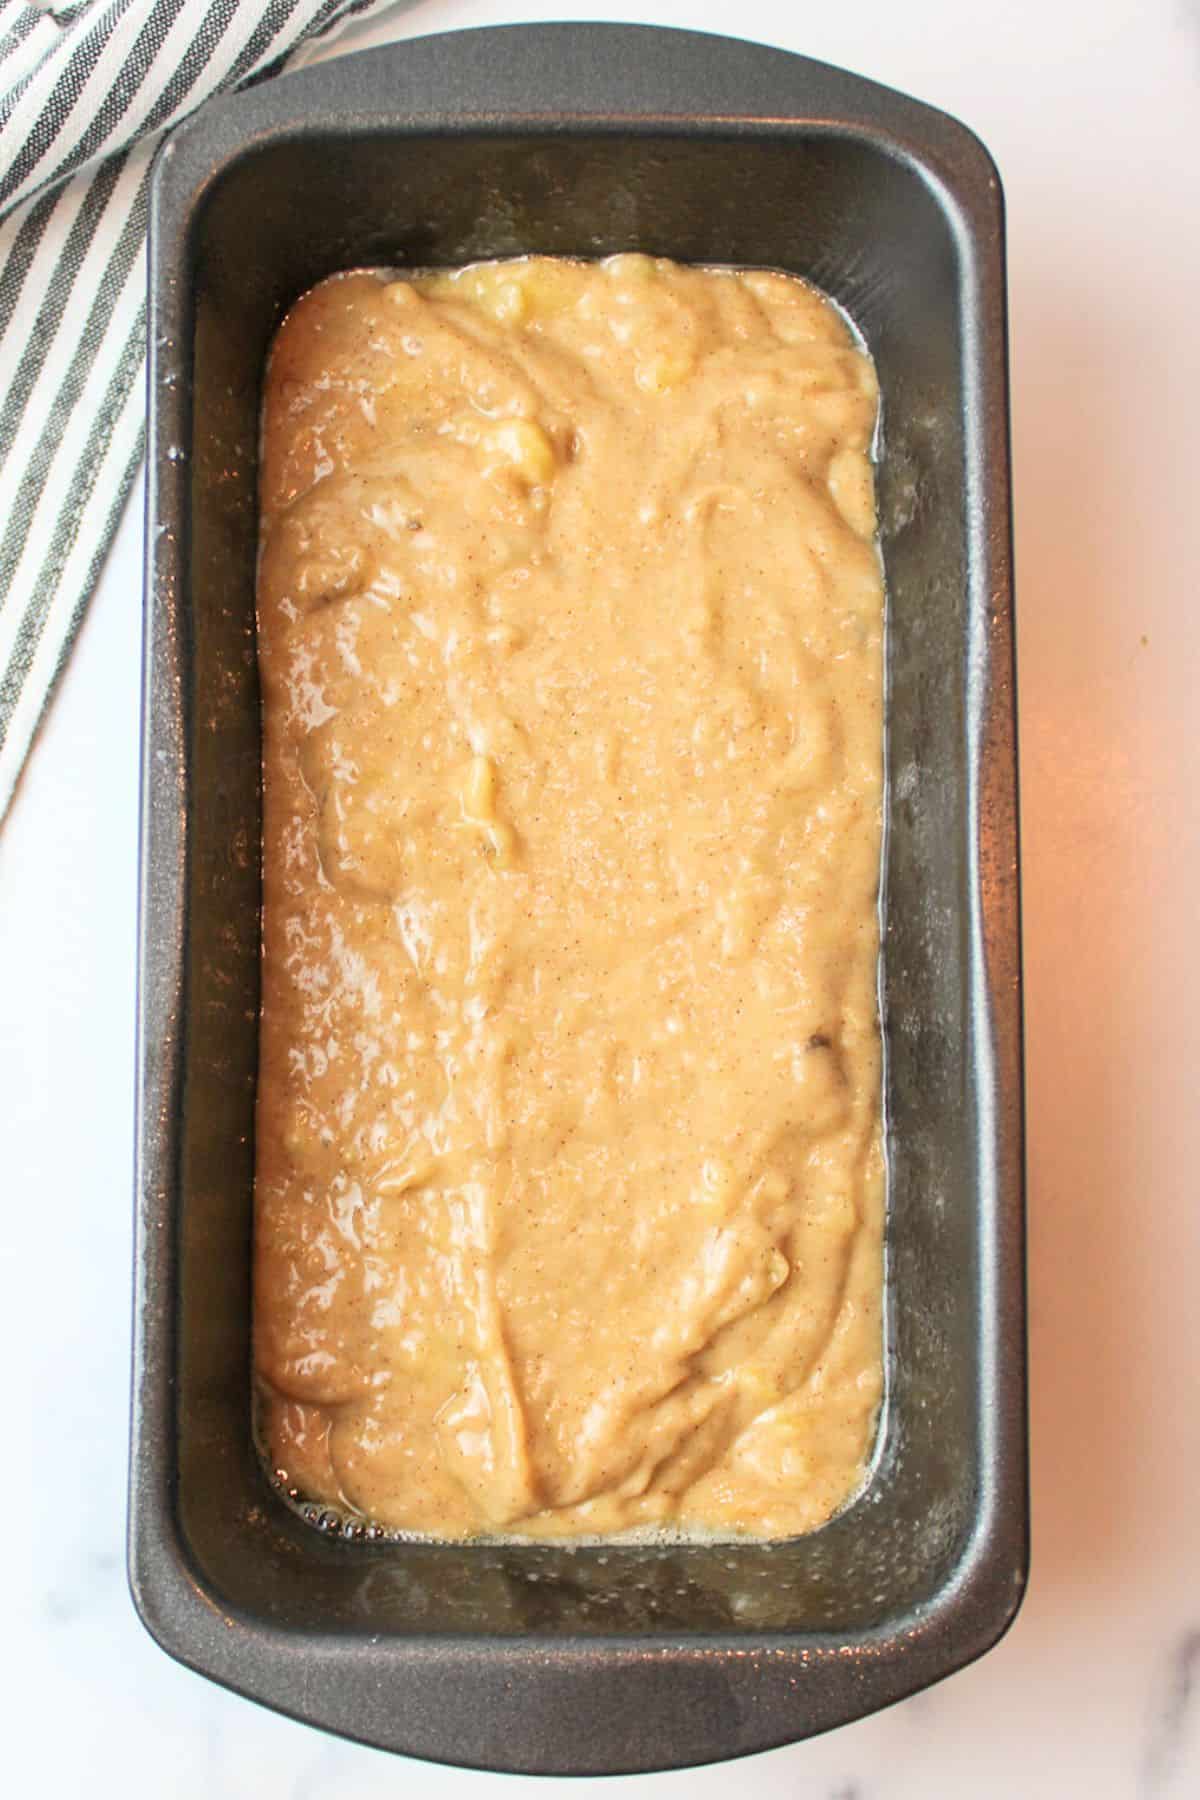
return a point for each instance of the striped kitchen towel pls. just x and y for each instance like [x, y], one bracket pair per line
[86, 91]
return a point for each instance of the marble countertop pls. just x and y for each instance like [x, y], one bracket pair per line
[1092, 110]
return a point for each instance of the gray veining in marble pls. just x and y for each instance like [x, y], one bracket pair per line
[1175, 1703]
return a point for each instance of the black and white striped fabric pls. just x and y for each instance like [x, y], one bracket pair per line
[86, 90]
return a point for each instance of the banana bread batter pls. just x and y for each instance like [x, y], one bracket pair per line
[570, 1172]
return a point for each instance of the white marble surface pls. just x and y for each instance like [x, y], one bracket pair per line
[1092, 109]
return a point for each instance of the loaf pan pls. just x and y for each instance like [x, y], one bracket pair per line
[581, 141]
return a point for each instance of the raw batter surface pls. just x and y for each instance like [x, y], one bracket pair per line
[570, 1174]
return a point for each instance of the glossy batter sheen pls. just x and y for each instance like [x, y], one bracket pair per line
[570, 1175]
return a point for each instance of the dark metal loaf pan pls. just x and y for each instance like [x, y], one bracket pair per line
[586, 140]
